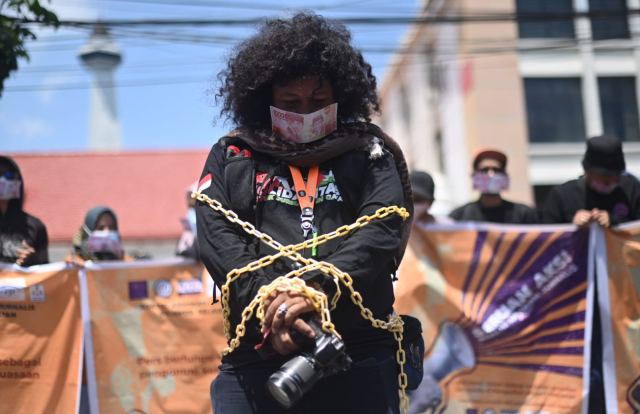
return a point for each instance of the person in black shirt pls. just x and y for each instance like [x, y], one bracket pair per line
[608, 196]
[23, 238]
[304, 65]
[604, 194]
[423, 189]
[490, 178]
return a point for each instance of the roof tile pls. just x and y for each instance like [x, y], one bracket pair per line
[145, 189]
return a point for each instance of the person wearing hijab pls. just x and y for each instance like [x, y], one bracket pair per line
[23, 237]
[299, 68]
[188, 243]
[98, 238]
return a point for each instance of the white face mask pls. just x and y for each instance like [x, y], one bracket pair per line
[490, 184]
[9, 189]
[304, 128]
[105, 241]
[602, 188]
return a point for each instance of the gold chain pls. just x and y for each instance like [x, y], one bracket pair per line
[292, 283]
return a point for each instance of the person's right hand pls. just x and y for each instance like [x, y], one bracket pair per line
[601, 217]
[582, 218]
[24, 253]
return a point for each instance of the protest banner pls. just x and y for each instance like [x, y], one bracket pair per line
[618, 284]
[40, 339]
[503, 311]
[153, 337]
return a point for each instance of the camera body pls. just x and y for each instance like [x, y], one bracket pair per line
[318, 358]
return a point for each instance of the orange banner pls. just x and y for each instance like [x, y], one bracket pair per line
[504, 317]
[40, 340]
[155, 338]
[619, 296]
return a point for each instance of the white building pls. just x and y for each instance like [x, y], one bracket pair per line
[534, 89]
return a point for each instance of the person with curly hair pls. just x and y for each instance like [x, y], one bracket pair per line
[291, 68]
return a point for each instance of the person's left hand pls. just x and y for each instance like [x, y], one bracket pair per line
[282, 341]
[23, 254]
[602, 217]
[297, 305]
[76, 261]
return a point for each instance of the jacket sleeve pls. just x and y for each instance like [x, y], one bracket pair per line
[553, 210]
[635, 209]
[532, 216]
[456, 214]
[41, 246]
[223, 245]
[369, 249]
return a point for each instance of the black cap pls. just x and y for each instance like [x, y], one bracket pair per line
[422, 184]
[495, 154]
[604, 155]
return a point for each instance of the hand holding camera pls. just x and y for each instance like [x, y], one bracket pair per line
[282, 316]
[319, 357]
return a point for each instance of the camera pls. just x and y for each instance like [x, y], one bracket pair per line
[318, 358]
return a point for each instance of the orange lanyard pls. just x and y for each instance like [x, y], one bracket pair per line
[306, 196]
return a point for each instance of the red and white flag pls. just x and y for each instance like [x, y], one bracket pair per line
[204, 183]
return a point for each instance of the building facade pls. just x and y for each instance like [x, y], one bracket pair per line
[534, 88]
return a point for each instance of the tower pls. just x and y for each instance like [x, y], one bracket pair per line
[101, 56]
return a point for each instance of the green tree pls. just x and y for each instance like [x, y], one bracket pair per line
[14, 33]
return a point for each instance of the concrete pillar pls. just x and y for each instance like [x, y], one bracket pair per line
[590, 93]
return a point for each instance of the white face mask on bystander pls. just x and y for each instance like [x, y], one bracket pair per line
[490, 184]
[603, 188]
[9, 189]
[105, 241]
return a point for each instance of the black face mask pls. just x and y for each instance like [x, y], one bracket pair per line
[105, 256]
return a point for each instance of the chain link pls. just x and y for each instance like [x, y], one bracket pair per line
[291, 282]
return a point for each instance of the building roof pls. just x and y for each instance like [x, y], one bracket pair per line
[145, 189]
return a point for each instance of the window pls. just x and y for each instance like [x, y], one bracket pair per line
[614, 27]
[554, 109]
[619, 107]
[552, 28]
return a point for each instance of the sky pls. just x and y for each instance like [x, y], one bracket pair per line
[165, 73]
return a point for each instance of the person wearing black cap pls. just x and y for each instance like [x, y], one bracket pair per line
[423, 187]
[23, 237]
[604, 194]
[490, 179]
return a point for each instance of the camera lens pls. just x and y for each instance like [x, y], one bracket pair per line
[283, 389]
[293, 380]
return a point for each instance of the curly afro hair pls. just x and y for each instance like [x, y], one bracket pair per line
[283, 50]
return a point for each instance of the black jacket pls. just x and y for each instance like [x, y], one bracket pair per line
[623, 204]
[350, 186]
[17, 226]
[506, 213]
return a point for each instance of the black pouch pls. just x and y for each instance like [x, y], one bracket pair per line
[239, 181]
[413, 346]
